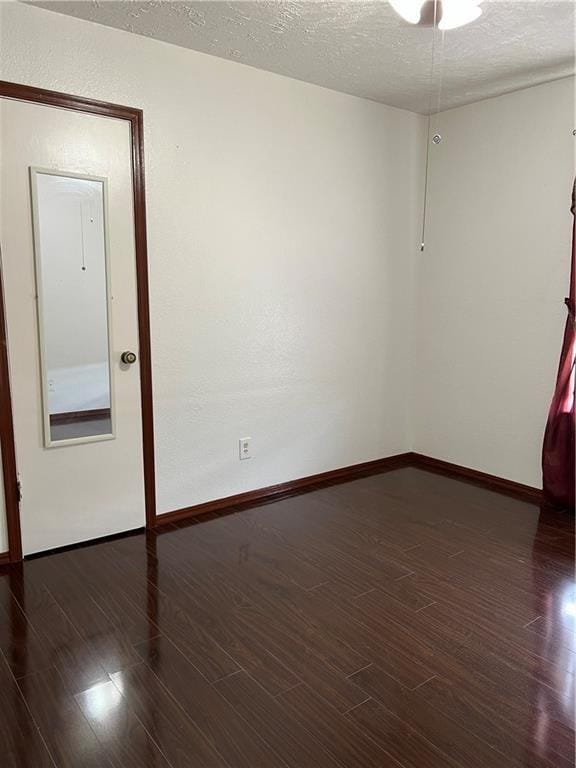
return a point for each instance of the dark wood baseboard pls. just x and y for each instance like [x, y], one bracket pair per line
[342, 475]
[290, 488]
[492, 482]
[324, 479]
[71, 417]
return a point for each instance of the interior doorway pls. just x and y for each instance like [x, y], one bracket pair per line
[76, 412]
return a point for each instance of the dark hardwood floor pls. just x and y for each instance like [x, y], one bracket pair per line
[403, 620]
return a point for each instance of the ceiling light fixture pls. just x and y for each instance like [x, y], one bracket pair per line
[449, 14]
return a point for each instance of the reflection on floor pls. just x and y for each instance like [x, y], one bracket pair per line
[403, 619]
[81, 429]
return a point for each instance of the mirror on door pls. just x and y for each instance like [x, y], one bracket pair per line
[70, 240]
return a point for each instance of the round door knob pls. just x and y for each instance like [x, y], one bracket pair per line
[128, 357]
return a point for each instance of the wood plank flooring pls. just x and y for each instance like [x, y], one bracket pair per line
[404, 620]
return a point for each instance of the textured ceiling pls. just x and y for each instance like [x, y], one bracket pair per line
[361, 47]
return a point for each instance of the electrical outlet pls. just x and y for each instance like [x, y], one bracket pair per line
[51, 385]
[244, 448]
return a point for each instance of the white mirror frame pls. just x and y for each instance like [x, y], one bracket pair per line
[48, 442]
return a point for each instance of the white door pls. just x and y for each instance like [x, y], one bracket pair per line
[69, 268]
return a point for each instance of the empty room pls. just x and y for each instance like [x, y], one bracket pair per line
[287, 383]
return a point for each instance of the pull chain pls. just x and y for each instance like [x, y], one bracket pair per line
[436, 138]
[82, 238]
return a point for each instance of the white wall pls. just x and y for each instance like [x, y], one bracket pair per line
[282, 228]
[492, 280]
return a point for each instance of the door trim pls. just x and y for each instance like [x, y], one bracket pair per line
[7, 445]
[135, 118]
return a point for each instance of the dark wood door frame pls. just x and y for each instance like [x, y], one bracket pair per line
[9, 469]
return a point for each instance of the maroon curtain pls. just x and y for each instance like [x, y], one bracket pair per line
[558, 449]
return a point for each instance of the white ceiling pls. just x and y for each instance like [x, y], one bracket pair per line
[361, 47]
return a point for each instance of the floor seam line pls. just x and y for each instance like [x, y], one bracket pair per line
[347, 712]
[525, 626]
[368, 592]
[405, 576]
[360, 670]
[434, 602]
[423, 683]
[225, 677]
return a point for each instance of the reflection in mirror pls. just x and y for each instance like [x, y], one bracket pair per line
[73, 317]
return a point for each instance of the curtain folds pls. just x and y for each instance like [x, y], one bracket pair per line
[558, 460]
